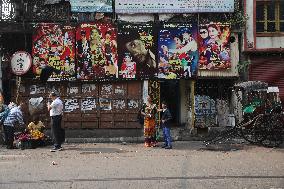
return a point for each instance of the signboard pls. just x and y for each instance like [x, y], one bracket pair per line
[214, 46]
[178, 52]
[169, 6]
[21, 62]
[136, 48]
[91, 5]
[53, 51]
[96, 51]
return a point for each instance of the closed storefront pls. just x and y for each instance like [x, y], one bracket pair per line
[87, 105]
[268, 69]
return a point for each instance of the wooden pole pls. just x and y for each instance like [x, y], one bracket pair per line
[192, 97]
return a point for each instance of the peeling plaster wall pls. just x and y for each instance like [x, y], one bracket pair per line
[269, 42]
[165, 17]
[223, 111]
[237, 106]
[249, 29]
[185, 103]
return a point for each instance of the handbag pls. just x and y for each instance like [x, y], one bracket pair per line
[140, 118]
[62, 135]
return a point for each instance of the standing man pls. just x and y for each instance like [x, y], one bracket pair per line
[55, 109]
[165, 123]
[14, 117]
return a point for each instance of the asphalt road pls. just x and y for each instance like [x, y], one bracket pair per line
[120, 166]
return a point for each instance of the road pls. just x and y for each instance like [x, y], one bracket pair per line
[120, 166]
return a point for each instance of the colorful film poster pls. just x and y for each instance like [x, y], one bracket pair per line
[96, 51]
[53, 52]
[178, 51]
[136, 48]
[214, 46]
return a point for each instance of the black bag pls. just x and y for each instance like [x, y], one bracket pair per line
[140, 118]
[62, 135]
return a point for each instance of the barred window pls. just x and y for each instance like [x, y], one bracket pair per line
[7, 10]
[270, 16]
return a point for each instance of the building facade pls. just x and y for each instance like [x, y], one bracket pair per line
[201, 99]
[263, 42]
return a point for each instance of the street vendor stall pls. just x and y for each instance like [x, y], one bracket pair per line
[32, 137]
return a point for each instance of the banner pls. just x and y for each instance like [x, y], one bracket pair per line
[170, 6]
[91, 5]
[178, 52]
[53, 52]
[214, 46]
[136, 51]
[96, 51]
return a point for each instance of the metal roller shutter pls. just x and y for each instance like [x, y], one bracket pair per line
[269, 69]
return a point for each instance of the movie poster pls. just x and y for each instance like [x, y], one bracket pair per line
[96, 51]
[53, 52]
[136, 51]
[214, 46]
[178, 51]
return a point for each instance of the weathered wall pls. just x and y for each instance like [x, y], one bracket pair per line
[185, 103]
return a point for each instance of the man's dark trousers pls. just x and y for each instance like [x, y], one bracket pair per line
[9, 136]
[56, 130]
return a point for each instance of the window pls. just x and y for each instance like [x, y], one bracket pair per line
[7, 10]
[270, 16]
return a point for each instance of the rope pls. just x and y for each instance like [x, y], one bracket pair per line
[19, 79]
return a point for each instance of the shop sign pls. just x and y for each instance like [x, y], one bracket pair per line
[21, 62]
[91, 5]
[169, 6]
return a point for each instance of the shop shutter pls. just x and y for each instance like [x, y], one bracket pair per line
[90, 105]
[270, 70]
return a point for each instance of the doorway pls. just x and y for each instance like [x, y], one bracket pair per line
[170, 93]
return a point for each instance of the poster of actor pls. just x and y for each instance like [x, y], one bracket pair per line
[178, 52]
[136, 48]
[53, 51]
[96, 51]
[214, 46]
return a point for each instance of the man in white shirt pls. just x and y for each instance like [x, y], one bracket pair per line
[55, 109]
